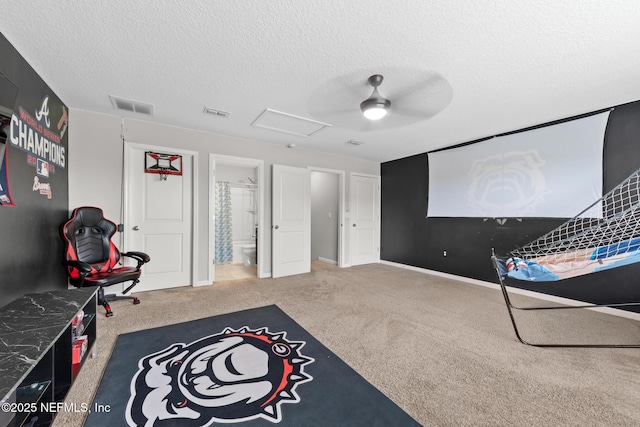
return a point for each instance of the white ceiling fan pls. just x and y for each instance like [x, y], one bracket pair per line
[410, 96]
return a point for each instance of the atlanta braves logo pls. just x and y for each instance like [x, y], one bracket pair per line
[43, 112]
[229, 377]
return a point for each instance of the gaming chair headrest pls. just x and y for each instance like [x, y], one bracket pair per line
[91, 217]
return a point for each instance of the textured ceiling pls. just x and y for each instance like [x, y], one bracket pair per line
[454, 71]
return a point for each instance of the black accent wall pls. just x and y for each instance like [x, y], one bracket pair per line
[31, 249]
[409, 237]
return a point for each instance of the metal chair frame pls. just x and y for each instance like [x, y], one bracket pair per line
[511, 307]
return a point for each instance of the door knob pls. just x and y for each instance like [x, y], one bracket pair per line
[276, 227]
[354, 225]
[136, 228]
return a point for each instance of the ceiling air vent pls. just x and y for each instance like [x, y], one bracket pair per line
[131, 105]
[218, 113]
[354, 142]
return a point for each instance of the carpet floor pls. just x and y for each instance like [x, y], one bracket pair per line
[443, 350]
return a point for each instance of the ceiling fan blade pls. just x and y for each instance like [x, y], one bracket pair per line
[422, 100]
[422, 85]
[328, 111]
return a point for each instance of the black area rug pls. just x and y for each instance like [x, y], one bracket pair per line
[255, 367]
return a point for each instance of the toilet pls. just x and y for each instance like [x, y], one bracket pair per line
[249, 254]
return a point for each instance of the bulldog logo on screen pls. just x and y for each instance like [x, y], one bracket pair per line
[229, 377]
[512, 181]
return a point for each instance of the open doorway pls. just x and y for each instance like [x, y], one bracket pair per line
[325, 217]
[236, 215]
[292, 238]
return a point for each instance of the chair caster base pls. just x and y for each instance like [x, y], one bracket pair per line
[107, 307]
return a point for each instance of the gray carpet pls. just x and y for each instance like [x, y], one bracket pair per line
[441, 349]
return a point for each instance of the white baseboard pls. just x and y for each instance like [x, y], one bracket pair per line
[328, 261]
[538, 295]
[202, 283]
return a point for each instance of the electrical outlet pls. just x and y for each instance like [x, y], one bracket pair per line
[444, 253]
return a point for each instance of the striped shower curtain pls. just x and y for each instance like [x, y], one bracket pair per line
[224, 236]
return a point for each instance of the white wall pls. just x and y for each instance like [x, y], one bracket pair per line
[243, 213]
[96, 153]
[234, 174]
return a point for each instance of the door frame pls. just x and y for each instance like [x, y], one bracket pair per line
[221, 159]
[342, 253]
[194, 196]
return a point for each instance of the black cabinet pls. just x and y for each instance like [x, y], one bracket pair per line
[44, 340]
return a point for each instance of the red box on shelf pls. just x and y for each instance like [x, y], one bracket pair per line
[79, 348]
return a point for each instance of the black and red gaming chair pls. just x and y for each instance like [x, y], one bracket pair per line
[92, 258]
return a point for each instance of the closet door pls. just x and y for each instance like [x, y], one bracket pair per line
[365, 219]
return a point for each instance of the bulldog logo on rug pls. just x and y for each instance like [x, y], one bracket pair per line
[232, 376]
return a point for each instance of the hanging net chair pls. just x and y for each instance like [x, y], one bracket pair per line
[604, 236]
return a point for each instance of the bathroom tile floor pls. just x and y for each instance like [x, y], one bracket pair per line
[225, 272]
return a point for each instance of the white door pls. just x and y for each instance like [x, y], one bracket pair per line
[365, 219]
[291, 221]
[158, 220]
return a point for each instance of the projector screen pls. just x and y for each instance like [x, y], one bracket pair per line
[548, 172]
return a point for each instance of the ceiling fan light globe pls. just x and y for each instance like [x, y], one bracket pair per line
[375, 107]
[375, 112]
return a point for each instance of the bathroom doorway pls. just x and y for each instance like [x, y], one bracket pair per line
[236, 196]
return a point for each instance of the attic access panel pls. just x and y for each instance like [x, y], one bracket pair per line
[288, 123]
